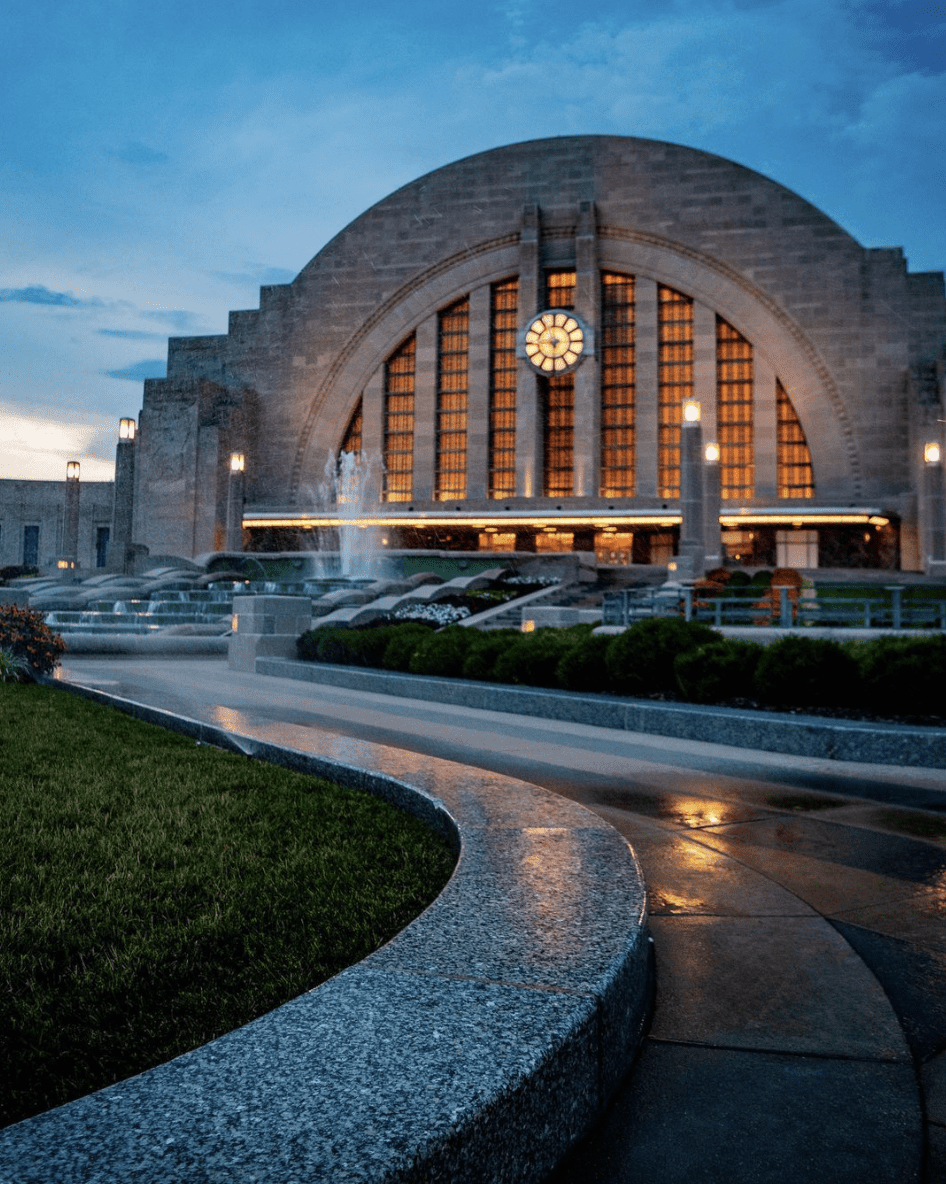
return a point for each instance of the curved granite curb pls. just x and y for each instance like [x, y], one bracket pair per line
[477, 1045]
[796, 735]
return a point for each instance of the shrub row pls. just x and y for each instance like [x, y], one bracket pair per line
[891, 675]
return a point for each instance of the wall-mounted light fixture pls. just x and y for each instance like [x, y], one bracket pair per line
[932, 453]
[711, 452]
[691, 411]
[72, 470]
[237, 462]
[126, 429]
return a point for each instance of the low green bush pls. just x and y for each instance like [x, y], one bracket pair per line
[640, 660]
[480, 661]
[723, 669]
[804, 671]
[25, 634]
[402, 641]
[533, 659]
[582, 666]
[904, 675]
[442, 654]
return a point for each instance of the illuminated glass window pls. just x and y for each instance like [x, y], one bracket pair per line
[351, 441]
[453, 347]
[399, 423]
[734, 419]
[554, 541]
[795, 476]
[559, 436]
[674, 382]
[617, 385]
[504, 310]
[559, 289]
[558, 402]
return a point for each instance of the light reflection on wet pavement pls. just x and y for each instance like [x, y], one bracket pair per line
[800, 1019]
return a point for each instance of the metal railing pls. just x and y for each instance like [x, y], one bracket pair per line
[784, 607]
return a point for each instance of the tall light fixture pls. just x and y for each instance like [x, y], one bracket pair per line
[123, 505]
[70, 534]
[712, 550]
[934, 507]
[691, 559]
[234, 526]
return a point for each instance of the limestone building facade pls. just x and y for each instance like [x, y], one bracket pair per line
[668, 277]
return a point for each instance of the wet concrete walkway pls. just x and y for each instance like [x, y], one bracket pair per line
[800, 926]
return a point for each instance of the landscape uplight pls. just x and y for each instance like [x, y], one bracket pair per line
[691, 411]
[126, 429]
[931, 453]
[72, 471]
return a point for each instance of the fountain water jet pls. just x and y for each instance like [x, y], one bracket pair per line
[352, 485]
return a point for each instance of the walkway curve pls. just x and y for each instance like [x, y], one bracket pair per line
[479, 1044]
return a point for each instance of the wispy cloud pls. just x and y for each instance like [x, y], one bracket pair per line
[38, 294]
[132, 334]
[139, 371]
[178, 318]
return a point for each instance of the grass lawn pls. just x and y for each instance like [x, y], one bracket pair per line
[156, 893]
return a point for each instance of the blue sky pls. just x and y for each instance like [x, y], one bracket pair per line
[160, 160]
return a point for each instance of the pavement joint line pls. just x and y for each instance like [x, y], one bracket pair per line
[790, 733]
[486, 1061]
[808, 1055]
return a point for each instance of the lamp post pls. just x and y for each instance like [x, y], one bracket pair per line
[124, 496]
[713, 551]
[234, 538]
[692, 550]
[70, 539]
[933, 499]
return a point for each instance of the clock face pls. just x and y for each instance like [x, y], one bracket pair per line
[554, 342]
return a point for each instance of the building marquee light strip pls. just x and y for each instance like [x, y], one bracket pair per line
[476, 523]
[597, 521]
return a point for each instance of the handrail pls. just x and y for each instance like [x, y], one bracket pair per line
[781, 605]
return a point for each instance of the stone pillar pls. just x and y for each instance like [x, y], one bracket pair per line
[713, 545]
[528, 419]
[425, 411]
[235, 492]
[587, 450]
[372, 437]
[645, 387]
[934, 512]
[692, 548]
[123, 503]
[765, 428]
[477, 415]
[70, 534]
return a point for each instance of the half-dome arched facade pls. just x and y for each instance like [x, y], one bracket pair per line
[667, 276]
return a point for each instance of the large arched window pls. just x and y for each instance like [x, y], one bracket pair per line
[351, 441]
[674, 382]
[558, 402]
[734, 412]
[453, 350]
[399, 423]
[617, 385]
[795, 475]
[504, 314]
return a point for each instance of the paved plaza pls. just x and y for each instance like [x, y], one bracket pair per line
[800, 1017]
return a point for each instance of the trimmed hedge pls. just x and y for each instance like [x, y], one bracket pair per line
[664, 655]
[640, 660]
[806, 672]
